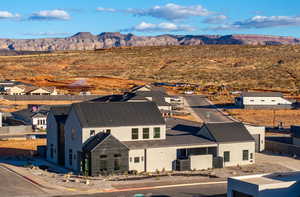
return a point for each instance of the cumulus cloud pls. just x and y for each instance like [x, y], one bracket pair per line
[170, 11]
[161, 27]
[50, 15]
[8, 15]
[217, 19]
[100, 9]
[259, 22]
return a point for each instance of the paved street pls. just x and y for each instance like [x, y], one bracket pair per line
[214, 190]
[12, 185]
[202, 108]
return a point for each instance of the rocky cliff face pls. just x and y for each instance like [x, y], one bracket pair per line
[88, 41]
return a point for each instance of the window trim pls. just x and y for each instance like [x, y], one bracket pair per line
[134, 136]
[146, 132]
[155, 130]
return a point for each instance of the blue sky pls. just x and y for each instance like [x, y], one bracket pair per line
[60, 18]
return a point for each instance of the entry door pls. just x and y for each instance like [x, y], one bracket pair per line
[257, 142]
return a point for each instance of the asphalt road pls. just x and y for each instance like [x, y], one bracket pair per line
[214, 190]
[201, 107]
[12, 185]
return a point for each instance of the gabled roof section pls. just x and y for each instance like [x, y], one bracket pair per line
[262, 94]
[96, 140]
[114, 114]
[60, 112]
[229, 132]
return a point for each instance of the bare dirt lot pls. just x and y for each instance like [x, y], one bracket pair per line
[267, 117]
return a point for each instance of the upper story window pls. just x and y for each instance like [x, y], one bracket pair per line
[73, 134]
[262, 100]
[145, 133]
[108, 131]
[156, 132]
[135, 133]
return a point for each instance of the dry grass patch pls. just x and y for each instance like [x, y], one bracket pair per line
[267, 117]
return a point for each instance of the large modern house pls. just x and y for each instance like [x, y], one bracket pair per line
[263, 100]
[113, 137]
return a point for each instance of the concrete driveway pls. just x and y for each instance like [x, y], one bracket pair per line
[14, 185]
[201, 107]
[289, 162]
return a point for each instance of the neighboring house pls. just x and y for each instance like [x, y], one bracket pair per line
[31, 90]
[275, 185]
[116, 137]
[5, 85]
[56, 120]
[35, 115]
[295, 135]
[235, 144]
[263, 100]
[258, 133]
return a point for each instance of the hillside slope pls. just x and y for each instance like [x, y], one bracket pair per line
[267, 67]
[88, 41]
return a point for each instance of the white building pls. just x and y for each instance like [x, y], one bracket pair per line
[266, 185]
[258, 133]
[263, 100]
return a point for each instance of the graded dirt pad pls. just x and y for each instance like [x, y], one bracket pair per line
[264, 67]
[267, 117]
[20, 147]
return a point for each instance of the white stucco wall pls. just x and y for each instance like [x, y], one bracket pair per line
[140, 167]
[201, 162]
[236, 152]
[258, 130]
[16, 91]
[265, 101]
[124, 133]
[52, 138]
[160, 158]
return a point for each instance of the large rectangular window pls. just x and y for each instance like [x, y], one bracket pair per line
[245, 155]
[103, 163]
[156, 132]
[145, 133]
[226, 156]
[70, 157]
[135, 133]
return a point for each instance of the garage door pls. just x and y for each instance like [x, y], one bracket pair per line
[257, 142]
[240, 194]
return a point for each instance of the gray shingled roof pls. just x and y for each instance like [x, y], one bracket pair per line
[262, 94]
[157, 96]
[229, 132]
[179, 133]
[114, 114]
[60, 112]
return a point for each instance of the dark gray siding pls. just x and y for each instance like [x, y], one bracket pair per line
[110, 147]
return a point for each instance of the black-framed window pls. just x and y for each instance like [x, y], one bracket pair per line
[146, 132]
[108, 131]
[226, 156]
[103, 163]
[245, 155]
[136, 160]
[70, 157]
[156, 132]
[251, 155]
[135, 133]
[117, 155]
[51, 150]
[117, 164]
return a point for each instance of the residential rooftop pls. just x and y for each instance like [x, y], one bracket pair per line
[262, 94]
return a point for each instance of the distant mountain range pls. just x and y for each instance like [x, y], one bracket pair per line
[88, 41]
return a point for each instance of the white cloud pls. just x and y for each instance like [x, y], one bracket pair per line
[8, 15]
[217, 19]
[100, 9]
[161, 27]
[50, 15]
[259, 22]
[171, 11]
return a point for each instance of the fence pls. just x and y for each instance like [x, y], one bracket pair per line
[282, 148]
[49, 97]
[16, 129]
